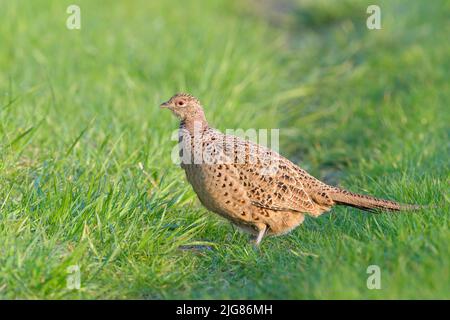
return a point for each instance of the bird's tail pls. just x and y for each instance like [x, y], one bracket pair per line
[368, 203]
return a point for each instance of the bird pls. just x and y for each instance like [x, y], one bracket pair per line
[252, 186]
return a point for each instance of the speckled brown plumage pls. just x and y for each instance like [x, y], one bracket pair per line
[252, 186]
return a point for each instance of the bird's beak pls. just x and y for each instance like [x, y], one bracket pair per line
[164, 105]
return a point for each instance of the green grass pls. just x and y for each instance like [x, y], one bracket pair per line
[86, 176]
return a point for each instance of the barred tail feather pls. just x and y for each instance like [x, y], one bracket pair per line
[368, 203]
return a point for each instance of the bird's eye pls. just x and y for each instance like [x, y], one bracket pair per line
[180, 103]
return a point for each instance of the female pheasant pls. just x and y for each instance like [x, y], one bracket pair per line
[254, 187]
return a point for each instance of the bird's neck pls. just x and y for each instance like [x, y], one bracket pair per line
[195, 125]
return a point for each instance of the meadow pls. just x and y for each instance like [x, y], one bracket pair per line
[87, 180]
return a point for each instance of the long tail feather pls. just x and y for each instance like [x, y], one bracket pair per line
[368, 203]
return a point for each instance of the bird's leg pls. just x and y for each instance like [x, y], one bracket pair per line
[260, 235]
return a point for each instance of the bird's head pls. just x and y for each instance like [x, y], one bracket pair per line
[185, 107]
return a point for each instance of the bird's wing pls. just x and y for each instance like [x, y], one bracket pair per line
[270, 180]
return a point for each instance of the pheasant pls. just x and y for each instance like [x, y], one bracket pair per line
[252, 186]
